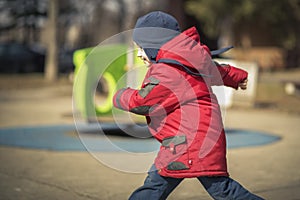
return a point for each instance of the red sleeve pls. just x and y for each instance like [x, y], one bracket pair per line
[122, 98]
[152, 99]
[231, 76]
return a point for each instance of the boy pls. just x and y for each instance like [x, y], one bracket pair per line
[181, 110]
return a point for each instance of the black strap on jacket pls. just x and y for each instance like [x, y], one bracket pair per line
[220, 51]
[175, 62]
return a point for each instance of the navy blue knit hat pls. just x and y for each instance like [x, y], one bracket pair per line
[153, 30]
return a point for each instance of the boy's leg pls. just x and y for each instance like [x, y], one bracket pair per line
[226, 188]
[155, 187]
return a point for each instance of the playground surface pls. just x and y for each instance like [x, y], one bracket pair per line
[271, 170]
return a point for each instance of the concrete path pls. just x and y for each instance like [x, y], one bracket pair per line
[271, 171]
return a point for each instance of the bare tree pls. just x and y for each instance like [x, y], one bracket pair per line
[51, 67]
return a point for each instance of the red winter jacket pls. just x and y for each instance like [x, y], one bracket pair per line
[181, 110]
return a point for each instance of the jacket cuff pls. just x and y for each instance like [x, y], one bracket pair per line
[234, 77]
[122, 97]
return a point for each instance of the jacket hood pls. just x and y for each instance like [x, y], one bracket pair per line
[187, 50]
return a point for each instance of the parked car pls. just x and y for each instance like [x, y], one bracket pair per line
[65, 61]
[18, 58]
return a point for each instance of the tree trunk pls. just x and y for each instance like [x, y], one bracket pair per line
[51, 65]
[226, 37]
[176, 9]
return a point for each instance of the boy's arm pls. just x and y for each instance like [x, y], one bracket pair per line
[152, 99]
[231, 76]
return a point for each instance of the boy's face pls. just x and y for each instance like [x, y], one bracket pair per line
[142, 55]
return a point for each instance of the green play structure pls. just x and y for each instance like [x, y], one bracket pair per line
[99, 72]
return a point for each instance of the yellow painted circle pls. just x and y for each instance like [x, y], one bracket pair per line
[106, 106]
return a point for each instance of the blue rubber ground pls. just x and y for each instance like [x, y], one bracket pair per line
[65, 138]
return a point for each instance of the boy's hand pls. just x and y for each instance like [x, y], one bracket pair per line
[243, 84]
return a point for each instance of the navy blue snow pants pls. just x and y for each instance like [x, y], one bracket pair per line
[157, 187]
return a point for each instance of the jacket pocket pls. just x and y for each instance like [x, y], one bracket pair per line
[176, 150]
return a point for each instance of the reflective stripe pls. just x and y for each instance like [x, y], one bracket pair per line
[146, 90]
[141, 110]
[153, 80]
[118, 98]
[176, 165]
[176, 140]
[149, 87]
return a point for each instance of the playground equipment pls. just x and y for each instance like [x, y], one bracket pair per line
[99, 72]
